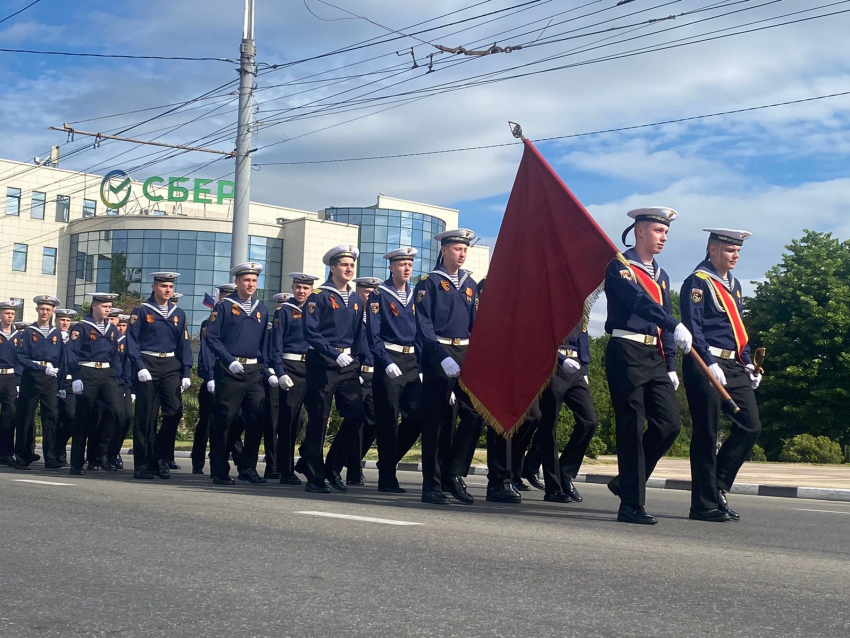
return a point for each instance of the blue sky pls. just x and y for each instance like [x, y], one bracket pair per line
[773, 172]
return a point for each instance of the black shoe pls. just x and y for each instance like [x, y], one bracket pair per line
[34, 458]
[391, 488]
[93, 466]
[534, 481]
[571, 491]
[7, 460]
[63, 459]
[77, 471]
[723, 506]
[458, 490]
[318, 488]
[143, 473]
[106, 465]
[520, 486]
[173, 466]
[226, 480]
[336, 482]
[557, 497]
[614, 486]
[462, 482]
[162, 470]
[197, 470]
[251, 476]
[356, 482]
[638, 515]
[118, 462]
[299, 467]
[290, 479]
[21, 464]
[53, 465]
[710, 515]
[501, 495]
[272, 476]
[435, 497]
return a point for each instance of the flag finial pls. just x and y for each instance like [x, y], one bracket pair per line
[516, 131]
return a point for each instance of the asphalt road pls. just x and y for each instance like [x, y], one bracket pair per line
[106, 555]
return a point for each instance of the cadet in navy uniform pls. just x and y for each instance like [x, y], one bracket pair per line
[125, 419]
[42, 355]
[445, 311]
[288, 353]
[158, 341]
[711, 309]
[93, 362]
[272, 402]
[391, 322]
[236, 336]
[333, 328]
[641, 371]
[67, 399]
[10, 369]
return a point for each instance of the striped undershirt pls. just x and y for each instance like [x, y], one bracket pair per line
[103, 328]
[650, 268]
[455, 279]
[402, 294]
[246, 304]
[7, 334]
[345, 295]
[45, 330]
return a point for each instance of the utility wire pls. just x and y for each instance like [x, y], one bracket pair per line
[19, 11]
[118, 56]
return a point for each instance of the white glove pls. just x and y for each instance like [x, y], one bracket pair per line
[273, 381]
[683, 338]
[755, 379]
[450, 367]
[570, 365]
[132, 398]
[362, 381]
[77, 386]
[452, 399]
[236, 368]
[211, 387]
[286, 382]
[185, 382]
[586, 382]
[344, 360]
[17, 390]
[63, 394]
[144, 375]
[675, 379]
[421, 377]
[50, 371]
[393, 371]
[717, 371]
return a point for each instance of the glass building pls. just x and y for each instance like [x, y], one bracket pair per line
[122, 261]
[382, 230]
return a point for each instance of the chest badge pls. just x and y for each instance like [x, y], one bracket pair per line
[696, 295]
[420, 295]
[54, 340]
[234, 309]
[469, 294]
[356, 307]
[213, 317]
[133, 319]
[444, 284]
[259, 318]
[92, 335]
[176, 319]
[149, 318]
[75, 335]
[393, 309]
[334, 303]
[34, 338]
[625, 274]
[311, 307]
[375, 308]
[296, 314]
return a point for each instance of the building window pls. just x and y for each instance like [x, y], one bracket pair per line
[19, 257]
[89, 268]
[19, 309]
[63, 208]
[48, 262]
[37, 208]
[89, 208]
[13, 201]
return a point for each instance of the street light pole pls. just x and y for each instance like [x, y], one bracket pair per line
[242, 178]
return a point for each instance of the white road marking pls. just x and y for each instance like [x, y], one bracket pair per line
[40, 482]
[800, 509]
[364, 519]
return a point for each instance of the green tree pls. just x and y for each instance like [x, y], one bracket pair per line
[117, 274]
[801, 315]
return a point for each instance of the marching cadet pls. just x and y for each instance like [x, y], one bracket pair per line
[125, 419]
[158, 343]
[445, 311]
[288, 353]
[335, 333]
[236, 335]
[397, 387]
[206, 393]
[67, 399]
[41, 353]
[10, 369]
[639, 359]
[92, 360]
[272, 402]
[711, 309]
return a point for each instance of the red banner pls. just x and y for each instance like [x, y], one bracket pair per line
[549, 257]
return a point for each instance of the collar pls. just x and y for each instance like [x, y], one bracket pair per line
[440, 269]
[293, 306]
[90, 320]
[634, 259]
[329, 286]
[35, 327]
[391, 290]
[234, 299]
[150, 303]
[708, 268]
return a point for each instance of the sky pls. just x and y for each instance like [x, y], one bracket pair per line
[774, 172]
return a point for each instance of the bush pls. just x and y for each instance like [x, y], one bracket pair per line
[804, 448]
[597, 446]
[757, 454]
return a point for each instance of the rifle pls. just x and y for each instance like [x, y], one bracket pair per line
[758, 360]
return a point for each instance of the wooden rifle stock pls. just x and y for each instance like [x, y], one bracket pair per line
[729, 406]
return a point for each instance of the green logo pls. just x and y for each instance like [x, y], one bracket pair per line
[118, 184]
[116, 188]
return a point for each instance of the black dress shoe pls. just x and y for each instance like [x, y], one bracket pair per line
[93, 466]
[106, 465]
[162, 470]
[77, 471]
[318, 488]
[53, 465]
[336, 482]
[571, 491]
[534, 481]
[34, 458]
[226, 480]
[143, 473]
[456, 486]
[197, 471]
[391, 488]
[173, 466]
[358, 482]
[21, 464]
[710, 515]
[272, 476]
[435, 497]
[7, 460]
[299, 467]
[614, 486]
[723, 506]
[557, 497]
[250, 475]
[501, 495]
[521, 486]
[118, 462]
[63, 459]
[637, 515]
[290, 479]
[462, 482]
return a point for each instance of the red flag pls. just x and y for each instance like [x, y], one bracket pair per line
[550, 256]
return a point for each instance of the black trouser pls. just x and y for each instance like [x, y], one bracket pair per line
[327, 381]
[235, 392]
[37, 388]
[712, 470]
[570, 389]
[497, 452]
[445, 451]
[65, 422]
[125, 420]
[8, 397]
[394, 398]
[206, 405]
[271, 404]
[289, 416]
[163, 391]
[100, 389]
[643, 398]
[363, 439]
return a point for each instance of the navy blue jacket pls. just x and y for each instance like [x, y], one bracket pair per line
[389, 320]
[34, 346]
[630, 308]
[87, 344]
[330, 324]
[149, 330]
[287, 335]
[9, 351]
[577, 340]
[703, 313]
[206, 358]
[126, 367]
[232, 333]
[443, 310]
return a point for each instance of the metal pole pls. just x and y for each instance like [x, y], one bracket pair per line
[242, 178]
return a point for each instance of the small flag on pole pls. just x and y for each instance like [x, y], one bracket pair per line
[209, 302]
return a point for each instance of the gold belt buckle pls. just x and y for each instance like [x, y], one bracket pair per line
[242, 360]
[649, 340]
[98, 365]
[303, 357]
[455, 342]
[406, 349]
[726, 354]
[162, 355]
